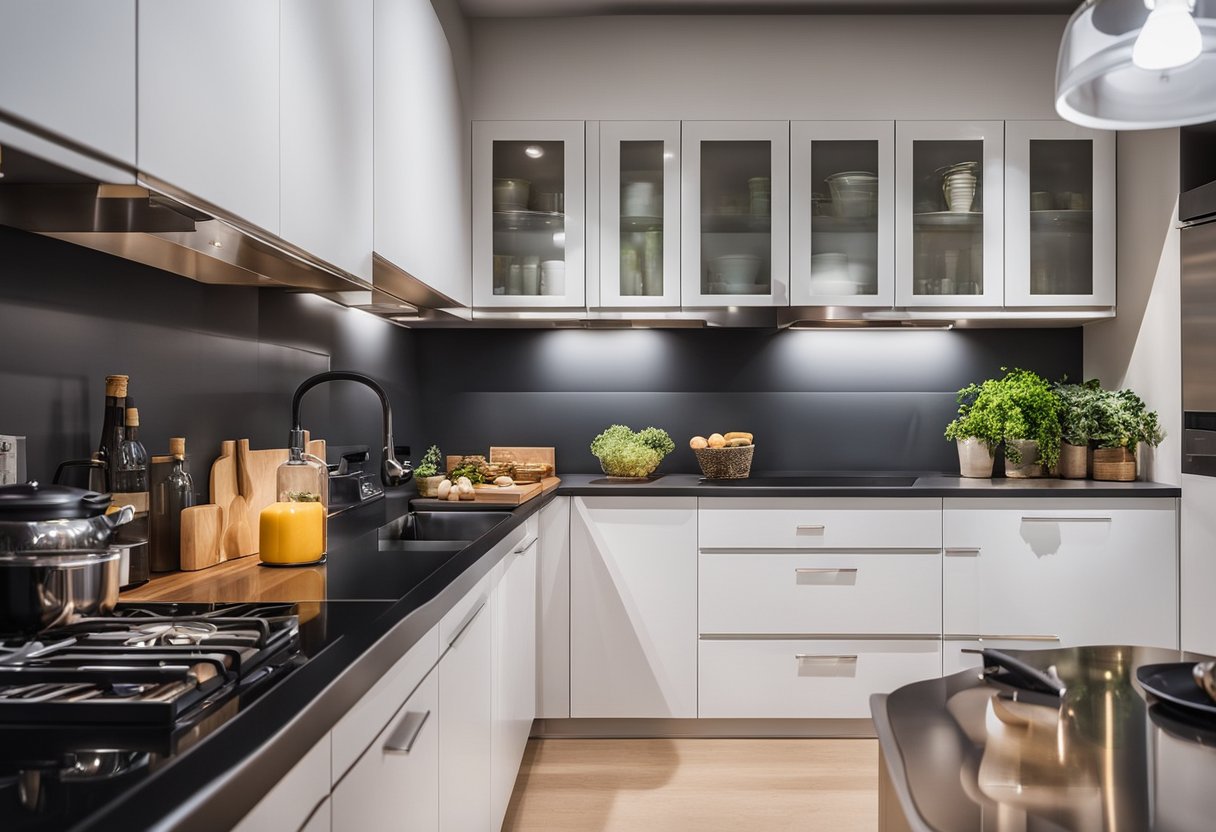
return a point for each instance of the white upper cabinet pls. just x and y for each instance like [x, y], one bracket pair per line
[949, 213]
[735, 213]
[529, 219]
[421, 150]
[68, 67]
[1059, 215]
[639, 214]
[326, 131]
[842, 213]
[209, 103]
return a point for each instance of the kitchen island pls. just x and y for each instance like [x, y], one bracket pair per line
[958, 757]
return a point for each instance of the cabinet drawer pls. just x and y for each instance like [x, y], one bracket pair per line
[811, 593]
[820, 523]
[359, 726]
[292, 800]
[788, 678]
[395, 784]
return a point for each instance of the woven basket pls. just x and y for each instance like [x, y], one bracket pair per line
[725, 463]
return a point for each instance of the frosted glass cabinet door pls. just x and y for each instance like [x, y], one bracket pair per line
[529, 220]
[842, 213]
[734, 209]
[639, 217]
[1059, 215]
[948, 209]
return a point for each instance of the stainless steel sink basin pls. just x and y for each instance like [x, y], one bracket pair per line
[463, 526]
[825, 481]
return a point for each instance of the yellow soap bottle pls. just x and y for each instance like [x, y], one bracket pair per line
[291, 533]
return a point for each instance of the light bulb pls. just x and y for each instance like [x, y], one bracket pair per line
[1170, 38]
[535, 151]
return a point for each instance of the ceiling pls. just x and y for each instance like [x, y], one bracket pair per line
[579, 8]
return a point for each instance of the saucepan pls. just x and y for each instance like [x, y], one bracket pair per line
[56, 561]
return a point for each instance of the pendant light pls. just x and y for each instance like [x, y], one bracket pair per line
[1138, 64]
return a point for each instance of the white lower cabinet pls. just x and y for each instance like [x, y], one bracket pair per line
[1059, 572]
[395, 784]
[514, 685]
[553, 611]
[633, 607]
[322, 818]
[465, 696]
[290, 804]
[812, 678]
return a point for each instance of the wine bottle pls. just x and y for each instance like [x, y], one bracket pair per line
[107, 447]
[172, 495]
[131, 471]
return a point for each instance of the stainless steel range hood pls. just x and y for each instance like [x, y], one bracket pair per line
[151, 224]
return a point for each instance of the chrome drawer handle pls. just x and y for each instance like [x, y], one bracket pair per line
[962, 550]
[810, 527]
[807, 570]
[1033, 519]
[402, 740]
[815, 657]
[997, 637]
[465, 625]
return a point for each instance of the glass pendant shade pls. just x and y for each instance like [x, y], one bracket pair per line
[1099, 85]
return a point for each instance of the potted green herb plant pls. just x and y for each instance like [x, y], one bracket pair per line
[1022, 411]
[628, 455]
[976, 430]
[1077, 425]
[1122, 423]
[429, 472]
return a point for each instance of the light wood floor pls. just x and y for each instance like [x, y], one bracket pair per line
[696, 784]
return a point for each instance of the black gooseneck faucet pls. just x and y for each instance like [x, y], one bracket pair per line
[392, 472]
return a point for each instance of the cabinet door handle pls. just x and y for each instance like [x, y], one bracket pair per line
[808, 570]
[526, 545]
[810, 527]
[1034, 519]
[816, 657]
[465, 625]
[958, 551]
[996, 637]
[401, 741]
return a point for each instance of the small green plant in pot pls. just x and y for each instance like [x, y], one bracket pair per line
[623, 453]
[1078, 421]
[977, 430]
[1123, 422]
[1021, 410]
[429, 472]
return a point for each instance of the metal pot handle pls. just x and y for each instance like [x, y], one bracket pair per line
[116, 518]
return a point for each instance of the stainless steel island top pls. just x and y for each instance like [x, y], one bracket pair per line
[956, 757]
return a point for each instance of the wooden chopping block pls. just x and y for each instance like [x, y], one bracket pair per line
[511, 454]
[236, 537]
[201, 531]
[512, 495]
[257, 472]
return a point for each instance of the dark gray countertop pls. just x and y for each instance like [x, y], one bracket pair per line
[924, 485]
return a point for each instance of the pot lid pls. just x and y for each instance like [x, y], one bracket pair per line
[31, 502]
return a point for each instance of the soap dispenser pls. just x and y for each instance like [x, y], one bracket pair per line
[292, 531]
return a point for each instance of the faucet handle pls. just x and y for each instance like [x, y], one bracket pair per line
[393, 472]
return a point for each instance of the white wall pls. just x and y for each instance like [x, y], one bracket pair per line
[766, 67]
[1141, 348]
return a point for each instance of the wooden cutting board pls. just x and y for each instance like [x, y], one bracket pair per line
[512, 454]
[236, 536]
[202, 527]
[512, 495]
[257, 472]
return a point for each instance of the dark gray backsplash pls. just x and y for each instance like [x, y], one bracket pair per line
[816, 400]
[211, 362]
[206, 362]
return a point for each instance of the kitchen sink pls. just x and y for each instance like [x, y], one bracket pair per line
[826, 481]
[449, 526]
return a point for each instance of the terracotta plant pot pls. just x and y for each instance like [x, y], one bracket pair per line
[1074, 461]
[1029, 467]
[975, 458]
[1114, 465]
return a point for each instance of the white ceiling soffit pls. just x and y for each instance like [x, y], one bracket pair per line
[583, 8]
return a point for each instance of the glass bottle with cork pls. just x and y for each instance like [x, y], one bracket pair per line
[169, 497]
